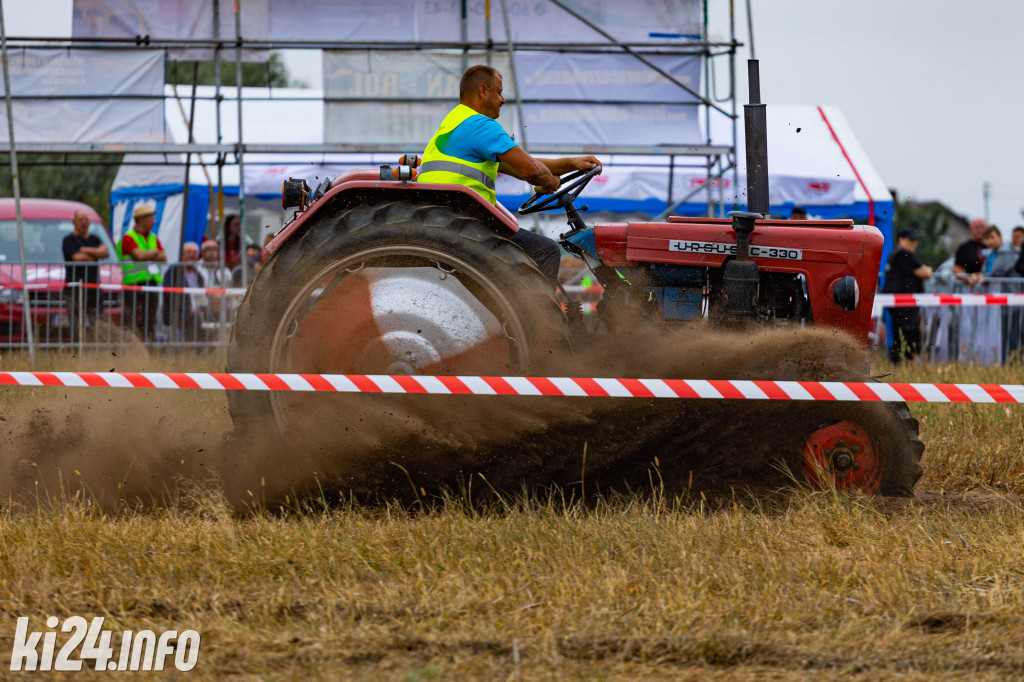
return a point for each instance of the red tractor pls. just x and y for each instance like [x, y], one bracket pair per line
[379, 274]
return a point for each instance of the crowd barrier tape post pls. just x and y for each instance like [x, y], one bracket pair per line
[837, 391]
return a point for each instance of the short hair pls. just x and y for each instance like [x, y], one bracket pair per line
[474, 76]
[187, 244]
[992, 231]
[1018, 229]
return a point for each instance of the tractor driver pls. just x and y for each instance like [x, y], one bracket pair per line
[471, 147]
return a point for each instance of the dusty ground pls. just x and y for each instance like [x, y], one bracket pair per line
[683, 577]
[132, 445]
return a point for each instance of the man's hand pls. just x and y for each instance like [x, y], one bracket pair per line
[551, 185]
[584, 163]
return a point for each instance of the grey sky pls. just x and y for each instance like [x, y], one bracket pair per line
[929, 87]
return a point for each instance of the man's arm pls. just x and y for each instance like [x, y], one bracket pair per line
[909, 262]
[90, 253]
[96, 252]
[568, 164]
[147, 254]
[961, 274]
[141, 254]
[542, 172]
[519, 164]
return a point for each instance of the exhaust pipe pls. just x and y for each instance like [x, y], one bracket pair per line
[755, 123]
[740, 278]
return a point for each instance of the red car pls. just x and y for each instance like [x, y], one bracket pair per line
[46, 222]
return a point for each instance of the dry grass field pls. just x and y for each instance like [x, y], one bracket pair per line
[796, 585]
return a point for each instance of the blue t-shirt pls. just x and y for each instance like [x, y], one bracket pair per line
[477, 139]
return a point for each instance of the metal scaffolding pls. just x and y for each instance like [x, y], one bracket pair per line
[717, 160]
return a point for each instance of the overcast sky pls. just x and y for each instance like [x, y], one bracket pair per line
[932, 88]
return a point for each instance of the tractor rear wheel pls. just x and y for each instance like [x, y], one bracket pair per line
[392, 288]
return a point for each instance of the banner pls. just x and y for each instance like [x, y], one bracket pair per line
[605, 77]
[586, 99]
[542, 21]
[349, 20]
[531, 21]
[174, 20]
[136, 75]
[396, 98]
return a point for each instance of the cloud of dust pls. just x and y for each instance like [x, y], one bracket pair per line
[136, 446]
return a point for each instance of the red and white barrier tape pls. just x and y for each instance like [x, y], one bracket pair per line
[881, 300]
[231, 291]
[929, 300]
[533, 386]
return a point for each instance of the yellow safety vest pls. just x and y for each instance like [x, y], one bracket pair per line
[139, 272]
[451, 170]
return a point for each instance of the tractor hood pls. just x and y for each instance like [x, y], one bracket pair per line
[708, 242]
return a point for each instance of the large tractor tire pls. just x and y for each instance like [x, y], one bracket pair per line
[392, 288]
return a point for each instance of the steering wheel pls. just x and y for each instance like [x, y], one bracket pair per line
[572, 185]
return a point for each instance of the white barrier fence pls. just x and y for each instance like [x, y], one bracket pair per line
[981, 325]
[91, 315]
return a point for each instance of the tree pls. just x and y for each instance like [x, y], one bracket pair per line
[271, 73]
[76, 177]
[930, 222]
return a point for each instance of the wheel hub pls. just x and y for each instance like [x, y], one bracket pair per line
[398, 320]
[842, 455]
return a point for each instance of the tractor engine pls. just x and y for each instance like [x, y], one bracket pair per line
[795, 272]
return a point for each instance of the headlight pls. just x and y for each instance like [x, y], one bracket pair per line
[846, 293]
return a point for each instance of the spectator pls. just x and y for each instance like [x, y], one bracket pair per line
[1001, 258]
[1019, 268]
[181, 312]
[1015, 318]
[967, 263]
[1017, 238]
[904, 274]
[81, 247]
[232, 240]
[215, 276]
[253, 257]
[799, 213]
[253, 260]
[998, 322]
[140, 245]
